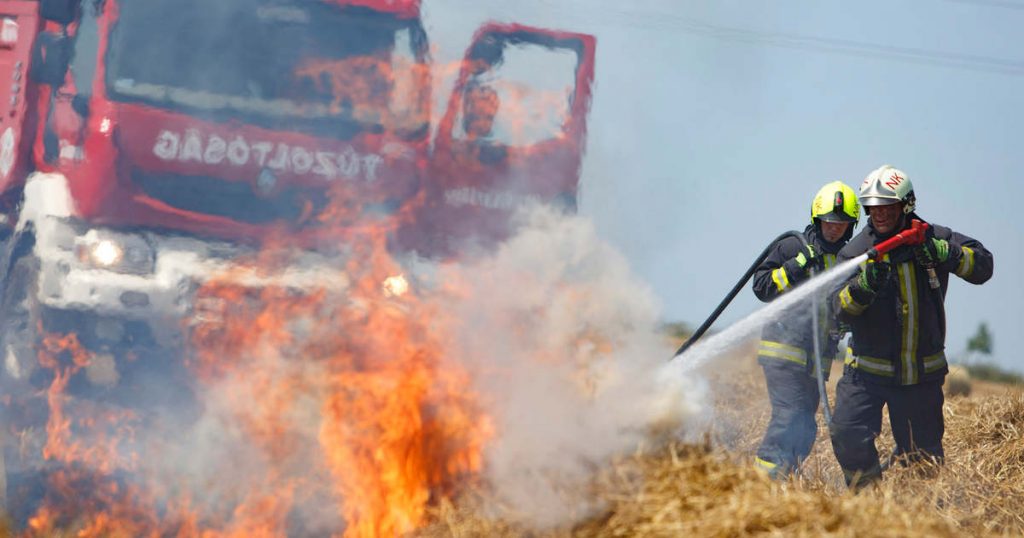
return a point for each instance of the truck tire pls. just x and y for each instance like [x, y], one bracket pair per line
[19, 321]
[19, 330]
[19, 337]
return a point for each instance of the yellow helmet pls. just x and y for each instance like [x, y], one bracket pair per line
[836, 202]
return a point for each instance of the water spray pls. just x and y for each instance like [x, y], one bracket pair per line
[753, 321]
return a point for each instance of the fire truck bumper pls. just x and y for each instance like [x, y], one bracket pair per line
[112, 285]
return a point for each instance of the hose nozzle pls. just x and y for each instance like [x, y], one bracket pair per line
[911, 236]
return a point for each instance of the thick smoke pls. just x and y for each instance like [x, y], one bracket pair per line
[563, 340]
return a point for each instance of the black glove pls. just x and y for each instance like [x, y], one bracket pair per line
[797, 267]
[874, 276]
[932, 252]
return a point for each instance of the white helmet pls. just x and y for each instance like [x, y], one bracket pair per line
[886, 185]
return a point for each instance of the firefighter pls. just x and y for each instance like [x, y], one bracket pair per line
[894, 309]
[786, 349]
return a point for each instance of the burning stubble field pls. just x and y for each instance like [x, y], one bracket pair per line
[710, 488]
[466, 407]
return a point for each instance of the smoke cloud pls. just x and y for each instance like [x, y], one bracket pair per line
[563, 340]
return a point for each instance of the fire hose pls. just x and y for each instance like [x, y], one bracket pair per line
[732, 294]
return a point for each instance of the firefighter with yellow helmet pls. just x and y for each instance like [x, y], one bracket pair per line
[894, 310]
[785, 351]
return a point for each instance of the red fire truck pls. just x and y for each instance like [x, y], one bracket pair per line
[145, 144]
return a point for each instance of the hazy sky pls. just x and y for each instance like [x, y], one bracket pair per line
[715, 122]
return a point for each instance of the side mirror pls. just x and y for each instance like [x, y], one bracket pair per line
[50, 59]
[62, 11]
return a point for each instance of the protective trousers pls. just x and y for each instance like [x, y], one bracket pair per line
[915, 415]
[791, 431]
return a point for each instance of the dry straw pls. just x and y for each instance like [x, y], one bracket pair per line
[712, 490]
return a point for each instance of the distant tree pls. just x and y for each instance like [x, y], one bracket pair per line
[990, 372]
[981, 342]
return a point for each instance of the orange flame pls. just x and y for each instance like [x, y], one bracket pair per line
[399, 423]
[110, 427]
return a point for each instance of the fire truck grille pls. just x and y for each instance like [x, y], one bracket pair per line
[235, 200]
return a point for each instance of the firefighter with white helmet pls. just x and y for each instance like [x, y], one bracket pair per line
[786, 349]
[897, 320]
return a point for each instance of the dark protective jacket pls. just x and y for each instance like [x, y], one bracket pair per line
[789, 338]
[899, 334]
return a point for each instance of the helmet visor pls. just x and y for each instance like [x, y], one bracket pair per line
[874, 201]
[837, 216]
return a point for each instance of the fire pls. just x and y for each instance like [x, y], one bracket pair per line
[395, 286]
[108, 428]
[344, 394]
[398, 424]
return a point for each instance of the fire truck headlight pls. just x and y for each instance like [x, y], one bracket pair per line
[121, 253]
[106, 253]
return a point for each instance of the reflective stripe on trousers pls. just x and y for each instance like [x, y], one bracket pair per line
[882, 367]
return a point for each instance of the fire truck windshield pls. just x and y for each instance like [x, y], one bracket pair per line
[308, 66]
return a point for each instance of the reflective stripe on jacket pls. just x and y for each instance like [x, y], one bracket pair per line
[899, 333]
[788, 339]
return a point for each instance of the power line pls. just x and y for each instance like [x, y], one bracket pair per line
[992, 3]
[671, 21]
[832, 45]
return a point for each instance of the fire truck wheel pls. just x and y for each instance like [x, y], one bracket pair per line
[19, 312]
[18, 332]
